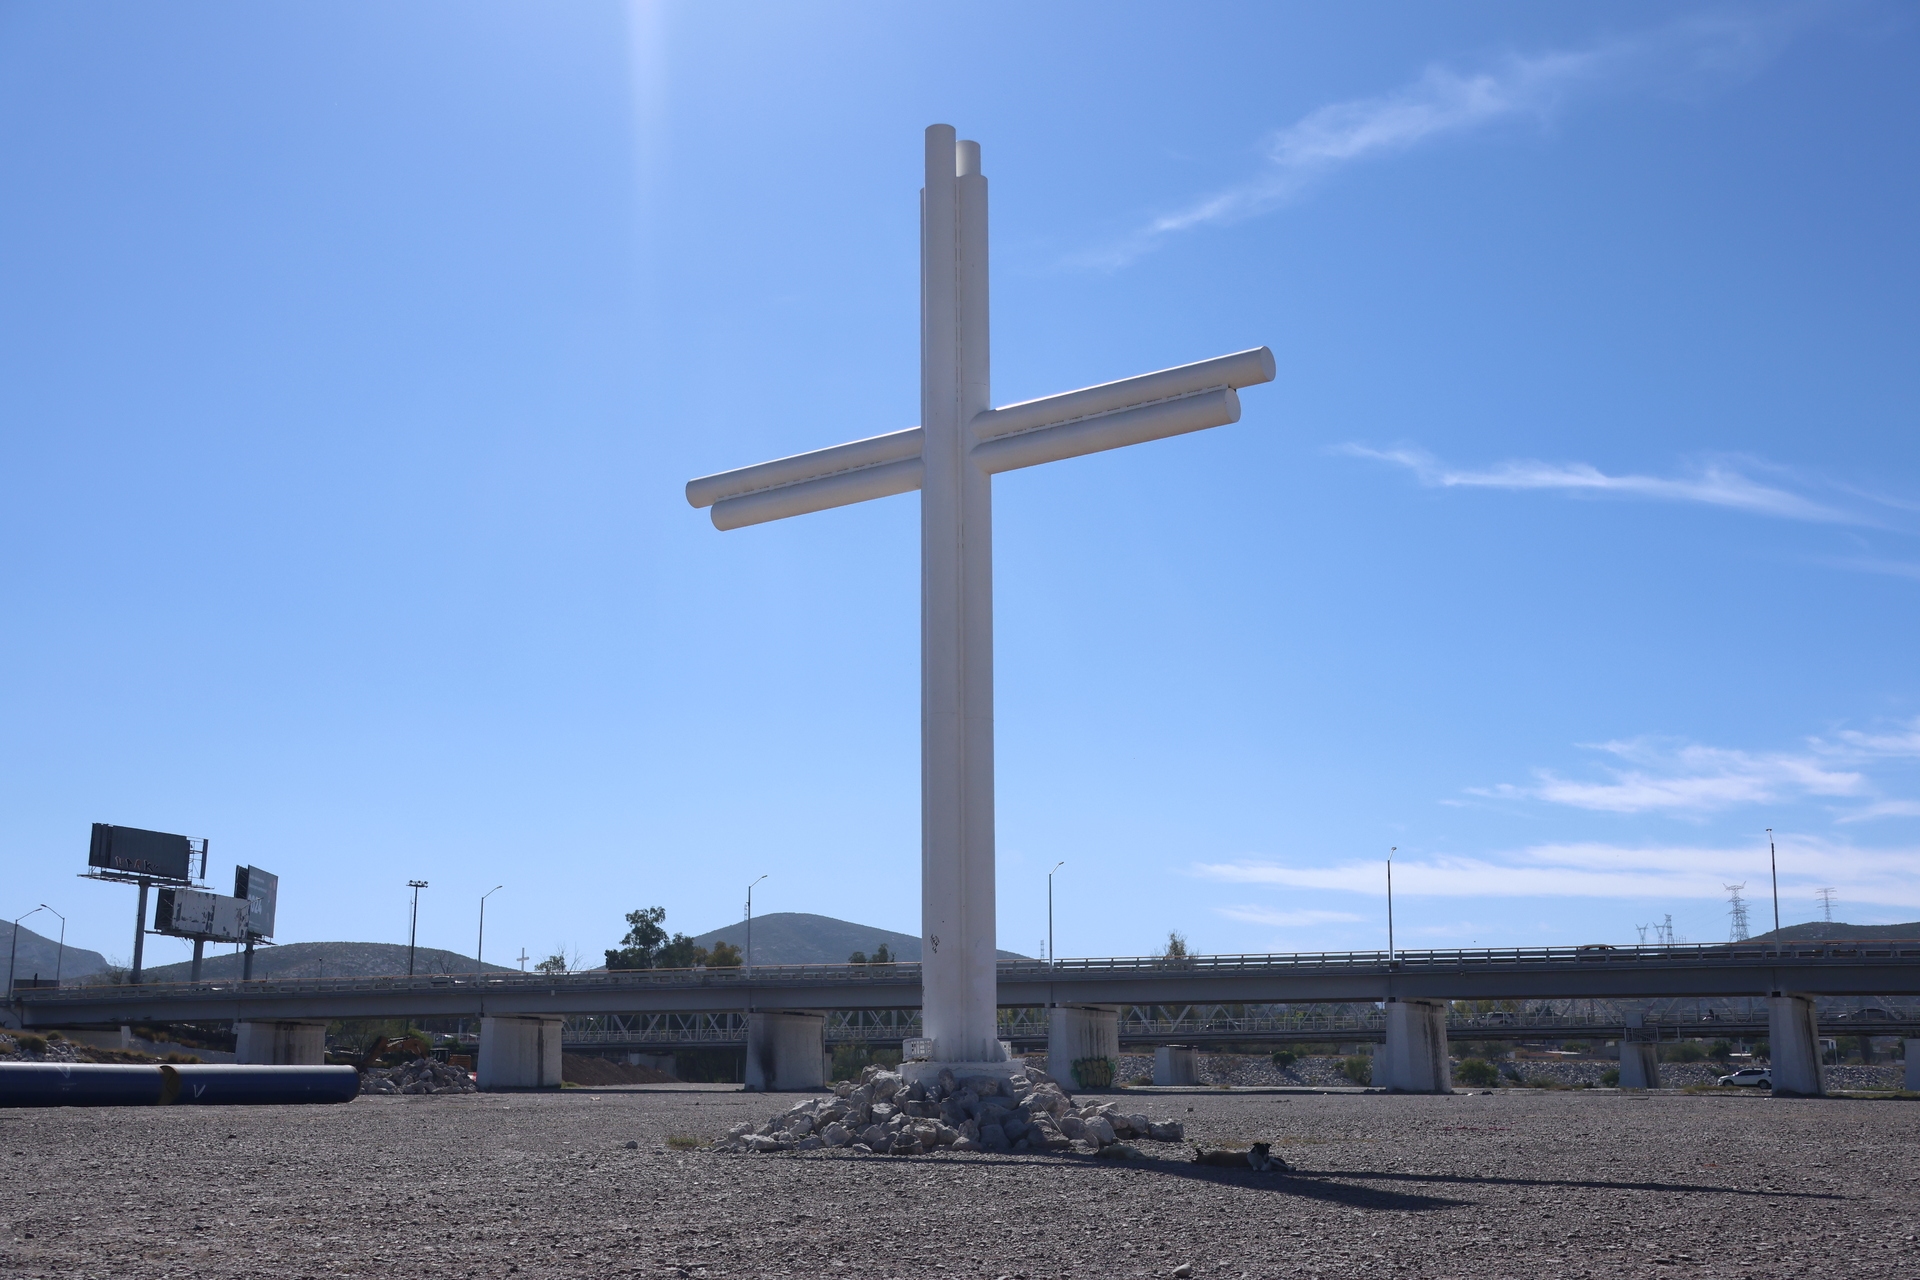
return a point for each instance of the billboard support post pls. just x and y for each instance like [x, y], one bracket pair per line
[246, 965]
[199, 947]
[139, 931]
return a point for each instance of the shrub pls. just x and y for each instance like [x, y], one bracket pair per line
[31, 1043]
[1358, 1069]
[1610, 1078]
[854, 1056]
[1284, 1058]
[683, 1142]
[1094, 1073]
[1683, 1051]
[1720, 1050]
[1477, 1072]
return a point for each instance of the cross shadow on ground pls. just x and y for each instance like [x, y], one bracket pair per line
[1592, 1184]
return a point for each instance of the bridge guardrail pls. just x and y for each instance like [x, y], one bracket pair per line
[908, 973]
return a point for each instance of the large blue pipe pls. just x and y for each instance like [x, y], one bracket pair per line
[87, 1084]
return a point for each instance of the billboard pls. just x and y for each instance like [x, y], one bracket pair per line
[261, 889]
[196, 913]
[131, 851]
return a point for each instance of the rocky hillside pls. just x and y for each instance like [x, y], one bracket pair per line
[1826, 930]
[323, 960]
[37, 955]
[798, 937]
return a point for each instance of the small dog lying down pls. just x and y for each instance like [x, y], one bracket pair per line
[1259, 1158]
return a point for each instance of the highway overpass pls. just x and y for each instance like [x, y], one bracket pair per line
[1866, 968]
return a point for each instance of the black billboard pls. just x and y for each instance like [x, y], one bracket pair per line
[262, 891]
[132, 851]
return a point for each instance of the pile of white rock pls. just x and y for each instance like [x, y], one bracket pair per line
[422, 1075]
[883, 1114]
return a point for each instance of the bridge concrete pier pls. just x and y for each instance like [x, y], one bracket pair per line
[1793, 1038]
[1639, 1064]
[280, 1043]
[1415, 1058]
[1912, 1050]
[1176, 1064]
[519, 1054]
[1077, 1032]
[786, 1051]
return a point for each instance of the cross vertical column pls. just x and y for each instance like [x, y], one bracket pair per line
[956, 613]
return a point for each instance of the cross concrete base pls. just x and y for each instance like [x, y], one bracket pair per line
[1639, 1064]
[1415, 1058]
[1077, 1032]
[519, 1054]
[1793, 1037]
[280, 1044]
[786, 1051]
[1176, 1064]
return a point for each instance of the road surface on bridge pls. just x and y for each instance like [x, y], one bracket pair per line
[1821, 968]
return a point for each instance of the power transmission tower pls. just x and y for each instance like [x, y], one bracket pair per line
[1643, 934]
[1826, 903]
[1737, 910]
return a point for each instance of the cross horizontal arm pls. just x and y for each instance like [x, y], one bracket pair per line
[1103, 431]
[1241, 369]
[876, 467]
[1169, 402]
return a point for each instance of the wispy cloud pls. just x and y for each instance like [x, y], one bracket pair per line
[1719, 483]
[1689, 780]
[1877, 877]
[1444, 102]
[1267, 915]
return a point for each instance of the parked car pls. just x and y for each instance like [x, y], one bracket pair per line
[1750, 1077]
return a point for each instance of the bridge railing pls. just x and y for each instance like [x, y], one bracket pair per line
[1116, 967]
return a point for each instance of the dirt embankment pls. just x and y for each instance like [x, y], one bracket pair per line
[576, 1068]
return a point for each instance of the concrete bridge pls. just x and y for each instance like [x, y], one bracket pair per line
[521, 1014]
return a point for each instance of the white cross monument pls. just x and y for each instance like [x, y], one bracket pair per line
[951, 459]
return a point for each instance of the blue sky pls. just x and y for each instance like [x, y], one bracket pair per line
[354, 356]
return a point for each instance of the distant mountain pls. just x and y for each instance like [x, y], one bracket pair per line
[797, 937]
[37, 956]
[322, 960]
[1834, 931]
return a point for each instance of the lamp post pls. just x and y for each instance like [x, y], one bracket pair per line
[749, 969]
[413, 927]
[1050, 953]
[1390, 852]
[59, 956]
[479, 962]
[14, 950]
[1773, 865]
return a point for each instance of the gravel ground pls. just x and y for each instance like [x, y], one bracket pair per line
[1480, 1186]
[1319, 1072]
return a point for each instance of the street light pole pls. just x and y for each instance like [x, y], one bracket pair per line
[14, 950]
[479, 962]
[1050, 951]
[749, 969]
[1773, 864]
[60, 956]
[413, 928]
[1390, 853]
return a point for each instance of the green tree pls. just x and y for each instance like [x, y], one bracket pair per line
[640, 948]
[681, 952]
[1477, 1072]
[723, 956]
[881, 955]
[553, 964]
[858, 957]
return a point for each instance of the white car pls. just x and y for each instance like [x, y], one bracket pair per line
[1750, 1077]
